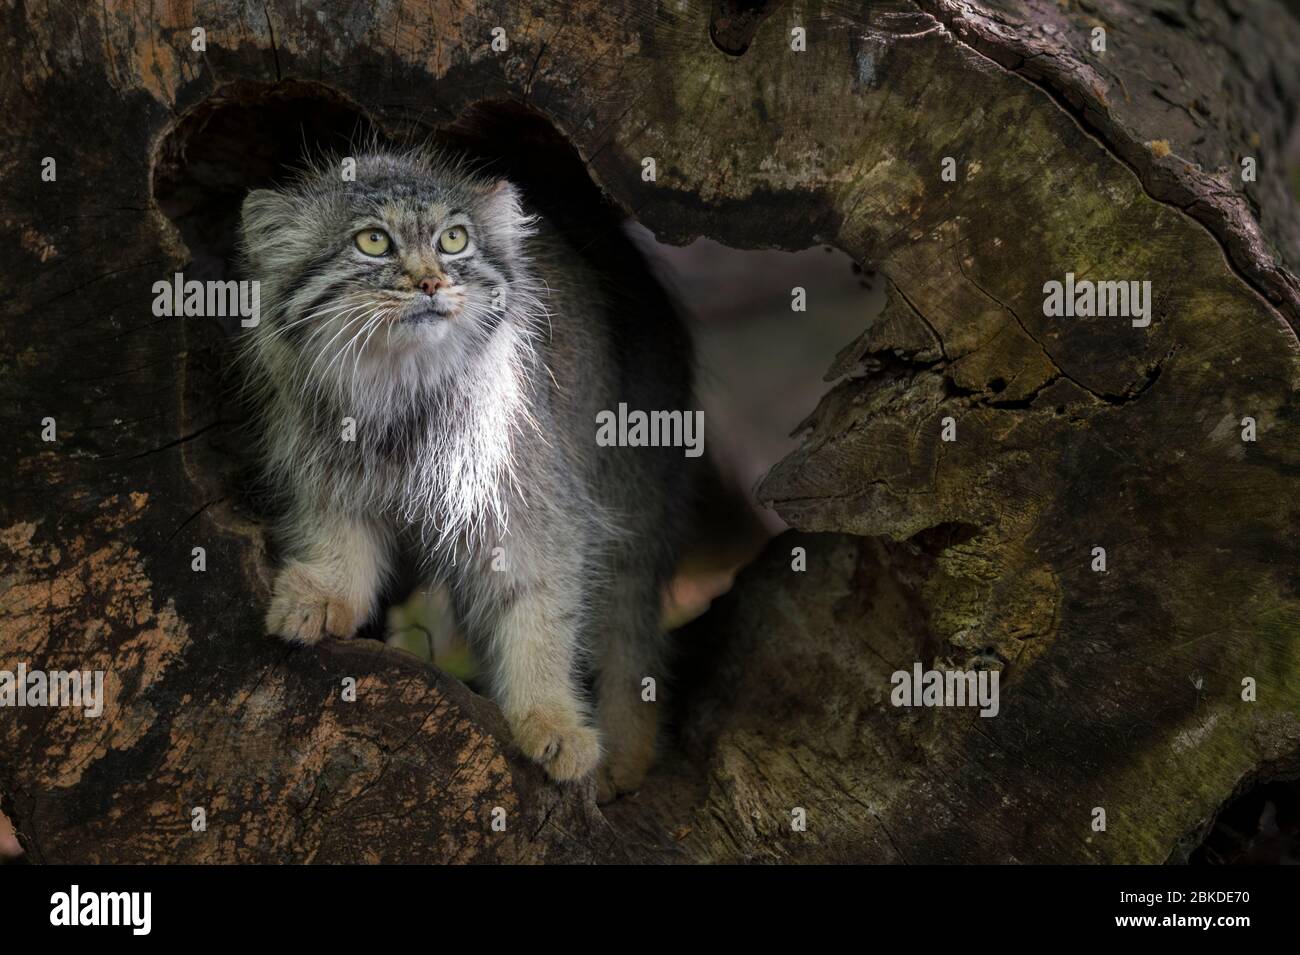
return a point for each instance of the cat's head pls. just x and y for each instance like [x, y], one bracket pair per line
[394, 258]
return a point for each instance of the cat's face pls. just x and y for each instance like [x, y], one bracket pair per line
[414, 260]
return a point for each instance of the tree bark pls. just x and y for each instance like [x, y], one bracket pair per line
[1121, 690]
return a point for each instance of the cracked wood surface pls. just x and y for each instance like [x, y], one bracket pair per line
[1120, 690]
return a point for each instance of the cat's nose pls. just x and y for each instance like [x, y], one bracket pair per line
[429, 286]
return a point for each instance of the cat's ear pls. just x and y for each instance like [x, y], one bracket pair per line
[263, 215]
[504, 216]
[503, 188]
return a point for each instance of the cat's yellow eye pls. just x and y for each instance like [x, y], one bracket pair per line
[373, 241]
[453, 240]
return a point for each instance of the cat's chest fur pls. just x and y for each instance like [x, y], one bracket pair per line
[442, 459]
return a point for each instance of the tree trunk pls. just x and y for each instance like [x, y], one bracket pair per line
[1120, 690]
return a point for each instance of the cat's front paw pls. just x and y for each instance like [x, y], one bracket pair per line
[556, 738]
[630, 727]
[621, 774]
[303, 610]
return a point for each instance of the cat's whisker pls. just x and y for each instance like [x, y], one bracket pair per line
[342, 308]
[326, 349]
[340, 356]
[371, 325]
[378, 321]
